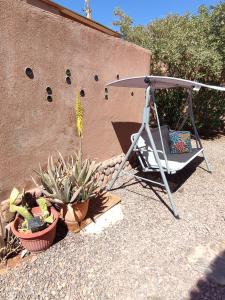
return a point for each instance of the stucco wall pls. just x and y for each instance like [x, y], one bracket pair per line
[32, 127]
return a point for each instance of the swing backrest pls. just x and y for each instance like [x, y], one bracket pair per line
[143, 141]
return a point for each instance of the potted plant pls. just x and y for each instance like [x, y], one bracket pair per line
[70, 183]
[34, 226]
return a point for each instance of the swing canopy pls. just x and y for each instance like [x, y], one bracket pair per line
[161, 82]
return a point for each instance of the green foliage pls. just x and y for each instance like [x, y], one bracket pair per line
[190, 47]
[23, 208]
[70, 180]
[20, 209]
[84, 173]
[46, 217]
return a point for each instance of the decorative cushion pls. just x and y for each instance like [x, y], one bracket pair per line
[180, 142]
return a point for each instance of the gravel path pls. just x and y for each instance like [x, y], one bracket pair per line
[143, 256]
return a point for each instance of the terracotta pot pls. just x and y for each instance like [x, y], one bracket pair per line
[37, 241]
[76, 212]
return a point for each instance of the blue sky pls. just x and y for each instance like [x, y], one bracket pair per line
[142, 11]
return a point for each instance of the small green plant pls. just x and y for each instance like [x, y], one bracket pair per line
[23, 210]
[20, 209]
[45, 216]
[11, 246]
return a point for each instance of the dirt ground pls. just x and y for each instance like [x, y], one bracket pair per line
[146, 253]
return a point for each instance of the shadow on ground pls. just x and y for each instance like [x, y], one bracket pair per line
[97, 206]
[175, 181]
[61, 231]
[212, 285]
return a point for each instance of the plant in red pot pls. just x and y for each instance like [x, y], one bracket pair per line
[36, 226]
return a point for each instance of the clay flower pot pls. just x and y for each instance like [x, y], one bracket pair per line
[37, 241]
[75, 213]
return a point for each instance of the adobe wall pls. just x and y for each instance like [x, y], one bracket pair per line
[31, 127]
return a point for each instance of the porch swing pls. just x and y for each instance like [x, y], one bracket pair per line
[152, 145]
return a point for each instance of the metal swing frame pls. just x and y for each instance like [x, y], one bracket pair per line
[150, 98]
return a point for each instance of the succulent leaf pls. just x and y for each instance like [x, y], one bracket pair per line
[14, 195]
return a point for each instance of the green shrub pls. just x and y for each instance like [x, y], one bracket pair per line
[190, 47]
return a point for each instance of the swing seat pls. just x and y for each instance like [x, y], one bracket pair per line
[171, 163]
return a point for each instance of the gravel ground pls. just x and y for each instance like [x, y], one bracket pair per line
[143, 256]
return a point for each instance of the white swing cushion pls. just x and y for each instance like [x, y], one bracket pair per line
[175, 162]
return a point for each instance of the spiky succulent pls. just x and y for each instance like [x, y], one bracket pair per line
[70, 180]
[84, 174]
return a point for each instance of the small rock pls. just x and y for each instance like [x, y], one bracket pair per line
[111, 163]
[24, 253]
[117, 166]
[101, 177]
[114, 174]
[107, 171]
[101, 168]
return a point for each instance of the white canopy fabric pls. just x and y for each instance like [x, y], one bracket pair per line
[161, 82]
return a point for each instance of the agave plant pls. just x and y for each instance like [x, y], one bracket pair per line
[68, 181]
[84, 174]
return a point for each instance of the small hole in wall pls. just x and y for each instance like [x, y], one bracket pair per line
[82, 93]
[117, 76]
[68, 72]
[106, 90]
[49, 90]
[68, 80]
[132, 94]
[49, 98]
[96, 77]
[29, 73]
[106, 97]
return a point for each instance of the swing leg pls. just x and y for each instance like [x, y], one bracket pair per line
[207, 163]
[195, 129]
[173, 207]
[126, 157]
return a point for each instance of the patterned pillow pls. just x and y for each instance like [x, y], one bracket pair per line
[180, 142]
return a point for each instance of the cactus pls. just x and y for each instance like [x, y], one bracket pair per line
[14, 195]
[46, 217]
[22, 210]
[43, 205]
